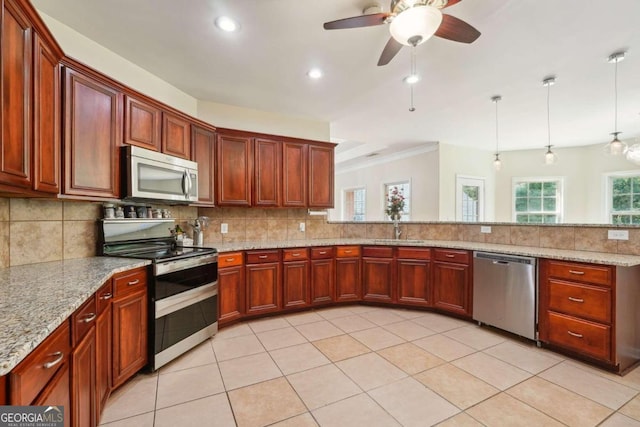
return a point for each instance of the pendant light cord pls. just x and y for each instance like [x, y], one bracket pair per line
[496, 102]
[615, 98]
[549, 116]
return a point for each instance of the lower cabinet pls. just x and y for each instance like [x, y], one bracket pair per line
[452, 281]
[322, 276]
[295, 278]
[263, 291]
[104, 347]
[377, 274]
[230, 287]
[348, 283]
[83, 374]
[57, 393]
[413, 276]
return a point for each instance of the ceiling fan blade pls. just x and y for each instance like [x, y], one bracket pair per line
[357, 21]
[390, 50]
[451, 3]
[457, 30]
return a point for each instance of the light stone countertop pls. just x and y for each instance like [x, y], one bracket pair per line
[35, 299]
[619, 260]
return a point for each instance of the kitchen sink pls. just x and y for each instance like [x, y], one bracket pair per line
[397, 241]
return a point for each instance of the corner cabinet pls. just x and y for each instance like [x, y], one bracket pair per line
[92, 135]
[378, 274]
[452, 281]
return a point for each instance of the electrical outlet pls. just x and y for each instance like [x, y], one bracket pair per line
[485, 229]
[302, 226]
[224, 228]
[618, 234]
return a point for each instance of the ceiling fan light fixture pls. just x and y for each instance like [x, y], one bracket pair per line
[416, 25]
[227, 24]
[411, 79]
[315, 73]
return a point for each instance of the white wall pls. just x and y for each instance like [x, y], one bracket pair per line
[421, 169]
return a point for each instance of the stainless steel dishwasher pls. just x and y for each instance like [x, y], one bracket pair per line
[505, 292]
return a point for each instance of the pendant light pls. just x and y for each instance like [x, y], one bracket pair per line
[497, 163]
[549, 156]
[616, 147]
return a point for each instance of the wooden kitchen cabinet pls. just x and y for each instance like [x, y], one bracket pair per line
[267, 166]
[322, 275]
[234, 170]
[321, 175]
[176, 136]
[348, 278]
[142, 124]
[413, 276]
[129, 325]
[83, 364]
[57, 393]
[231, 287]
[263, 282]
[295, 278]
[203, 152]
[93, 133]
[104, 346]
[452, 285]
[294, 175]
[378, 274]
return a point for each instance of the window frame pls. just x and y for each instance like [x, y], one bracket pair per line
[560, 188]
[344, 204]
[608, 193]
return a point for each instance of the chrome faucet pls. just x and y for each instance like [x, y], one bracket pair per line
[396, 230]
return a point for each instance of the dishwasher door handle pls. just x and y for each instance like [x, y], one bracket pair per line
[501, 262]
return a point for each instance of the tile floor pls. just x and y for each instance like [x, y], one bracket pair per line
[370, 366]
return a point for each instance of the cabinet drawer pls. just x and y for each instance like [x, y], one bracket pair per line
[377, 252]
[347, 251]
[230, 259]
[104, 296]
[413, 253]
[34, 372]
[129, 282]
[322, 253]
[83, 319]
[591, 302]
[258, 257]
[589, 338]
[449, 255]
[295, 254]
[601, 275]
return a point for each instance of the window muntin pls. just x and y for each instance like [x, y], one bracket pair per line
[537, 200]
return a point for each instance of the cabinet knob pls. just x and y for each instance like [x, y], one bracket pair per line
[59, 356]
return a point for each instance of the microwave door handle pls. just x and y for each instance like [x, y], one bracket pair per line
[185, 183]
[189, 184]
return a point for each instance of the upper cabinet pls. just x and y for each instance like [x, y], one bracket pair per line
[203, 152]
[234, 170]
[176, 136]
[93, 133]
[142, 124]
[294, 175]
[30, 87]
[267, 164]
[321, 171]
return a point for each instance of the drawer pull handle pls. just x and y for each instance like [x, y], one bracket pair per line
[89, 318]
[230, 259]
[133, 282]
[347, 252]
[59, 356]
[262, 256]
[573, 334]
[449, 255]
[576, 299]
[579, 273]
[106, 296]
[295, 255]
[323, 252]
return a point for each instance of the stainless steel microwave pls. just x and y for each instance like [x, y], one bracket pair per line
[155, 176]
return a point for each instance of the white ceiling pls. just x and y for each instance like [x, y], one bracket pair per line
[264, 66]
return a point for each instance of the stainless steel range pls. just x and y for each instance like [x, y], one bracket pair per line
[183, 295]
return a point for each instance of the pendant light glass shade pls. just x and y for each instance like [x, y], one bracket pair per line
[497, 163]
[549, 157]
[415, 25]
[616, 147]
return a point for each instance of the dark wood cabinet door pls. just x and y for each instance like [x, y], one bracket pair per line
[377, 279]
[142, 124]
[15, 164]
[58, 393]
[452, 288]
[230, 294]
[176, 136]
[321, 187]
[294, 174]
[348, 283]
[263, 288]
[83, 381]
[414, 282]
[93, 133]
[203, 152]
[46, 118]
[322, 281]
[129, 336]
[234, 170]
[295, 284]
[104, 347]
[267, 167]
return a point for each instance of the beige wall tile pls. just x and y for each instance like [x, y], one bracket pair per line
[472, 233]
[500, 234]
[233, 213]
[4, 244]
[81, 211]
[320, 229]
[79, 239]
[237, 231]
[35, 241]
[277, 229]
[379, 231]
[424, 231]
[446, 232]
[293, 230]
[595, 239]
[4, 209]
[557, 237]
[297, 213]
[257, 213]
[35, 210]
[257, 230]
[354, 231]
[212, 233]
[631, 246]
[525, 235]
[213, 213]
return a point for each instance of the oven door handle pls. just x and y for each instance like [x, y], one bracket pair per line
[176, 302]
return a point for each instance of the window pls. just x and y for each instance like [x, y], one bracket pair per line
[404, 187]
[469, 198]
[624, 203]
[354, 204]
[537, 200]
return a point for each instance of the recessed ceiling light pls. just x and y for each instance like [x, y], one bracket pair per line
[411, 79]
[226, 24]
[314, 73]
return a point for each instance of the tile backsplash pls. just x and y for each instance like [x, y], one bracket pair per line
[40, 230]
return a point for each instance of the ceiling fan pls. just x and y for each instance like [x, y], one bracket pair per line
[412, 22]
